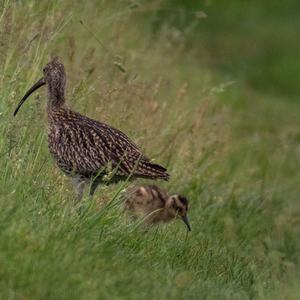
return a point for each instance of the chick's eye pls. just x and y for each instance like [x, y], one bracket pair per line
[179, 209]
[44, 70]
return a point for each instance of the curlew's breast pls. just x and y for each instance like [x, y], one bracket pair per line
[74, 150]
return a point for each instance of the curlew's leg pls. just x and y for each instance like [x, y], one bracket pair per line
[79, 185]
[94, 186]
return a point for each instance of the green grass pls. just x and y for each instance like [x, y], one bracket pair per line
[230, 144]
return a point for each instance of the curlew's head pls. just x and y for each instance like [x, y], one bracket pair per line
[178, 206]
[55, 78]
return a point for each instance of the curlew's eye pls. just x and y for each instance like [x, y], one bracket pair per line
[179, 209]
[44, 70]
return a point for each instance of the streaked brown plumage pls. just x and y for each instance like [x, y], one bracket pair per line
[155, 204]
[84, 149]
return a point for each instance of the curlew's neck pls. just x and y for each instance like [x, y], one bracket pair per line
[56, 96]
[56, 92]
[56, 109]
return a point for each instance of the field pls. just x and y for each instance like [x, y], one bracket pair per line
[208, 90]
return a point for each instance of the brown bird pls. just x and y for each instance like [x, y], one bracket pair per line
[86, 150]
[155, 204]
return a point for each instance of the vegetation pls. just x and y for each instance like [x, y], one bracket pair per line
[186, 83]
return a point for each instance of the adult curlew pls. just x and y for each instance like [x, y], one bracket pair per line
[84, 149]
[155, 204]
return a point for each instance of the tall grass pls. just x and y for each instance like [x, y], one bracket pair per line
[237, 163]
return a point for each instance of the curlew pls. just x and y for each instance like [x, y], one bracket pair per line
[155, 205]
[88, 151]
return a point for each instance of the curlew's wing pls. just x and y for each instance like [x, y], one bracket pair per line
[114, 147]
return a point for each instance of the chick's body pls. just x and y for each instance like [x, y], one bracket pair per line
[155, 204]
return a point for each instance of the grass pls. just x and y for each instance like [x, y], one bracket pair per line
[231, 146]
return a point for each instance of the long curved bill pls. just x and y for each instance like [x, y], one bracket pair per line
[186, 222]
[37, 85]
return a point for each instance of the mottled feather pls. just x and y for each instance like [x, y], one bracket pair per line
[84, 146]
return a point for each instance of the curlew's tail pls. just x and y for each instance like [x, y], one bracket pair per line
[150, 170]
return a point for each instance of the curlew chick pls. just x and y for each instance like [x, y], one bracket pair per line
[86, 150]
[155, 204]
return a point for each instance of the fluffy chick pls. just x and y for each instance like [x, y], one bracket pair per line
[155, 205]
